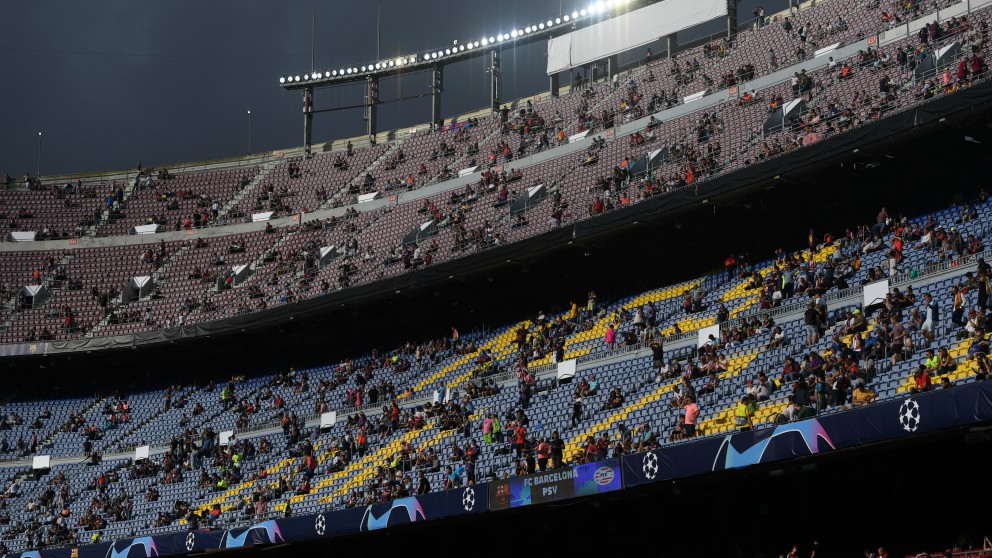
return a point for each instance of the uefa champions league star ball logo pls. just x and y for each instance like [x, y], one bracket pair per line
[650, 465]
[468, 499]
[319, 524]
[909, 415]
[190, 541]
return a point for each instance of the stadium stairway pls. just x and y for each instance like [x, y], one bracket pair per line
[575, 443]
[47, 442]
[230, 497]
[253, 184]
[496, 345]
[358, 472]
[357, 179]
[740, 289]
[736, 365]
[598, 331]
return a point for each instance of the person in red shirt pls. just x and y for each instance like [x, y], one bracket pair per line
[921, 380]
[520, 442]
[592, 448]
[791, 370]
[977, 66]
[729, 264]
[962, 70]
[304, 487]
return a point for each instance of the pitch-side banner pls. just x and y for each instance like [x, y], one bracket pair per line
[98, 550]
[911, 415]
[428, 507]
[555, 485]
[413, 509]
[179, 542]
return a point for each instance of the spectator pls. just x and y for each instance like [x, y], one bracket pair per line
[921, 381]
[744, 414]
[863, 396]
[576, 409]
[691, 415]
[812, 320]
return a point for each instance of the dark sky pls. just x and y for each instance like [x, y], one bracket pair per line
[112, 82]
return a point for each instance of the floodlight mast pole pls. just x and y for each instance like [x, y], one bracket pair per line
[307, 120]
[308, 91]
[372, 82]
[371, 108]
[437, 86]
[494, 70]
[731, 18]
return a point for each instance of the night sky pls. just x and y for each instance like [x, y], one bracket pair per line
[113, 82]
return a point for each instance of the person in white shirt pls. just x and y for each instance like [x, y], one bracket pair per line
[663, 372]
[752, 389]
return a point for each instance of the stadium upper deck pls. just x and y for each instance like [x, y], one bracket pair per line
[234, 270]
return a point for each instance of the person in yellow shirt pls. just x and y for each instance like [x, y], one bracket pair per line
[932, 363]
[744, 414]
[863, 396]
